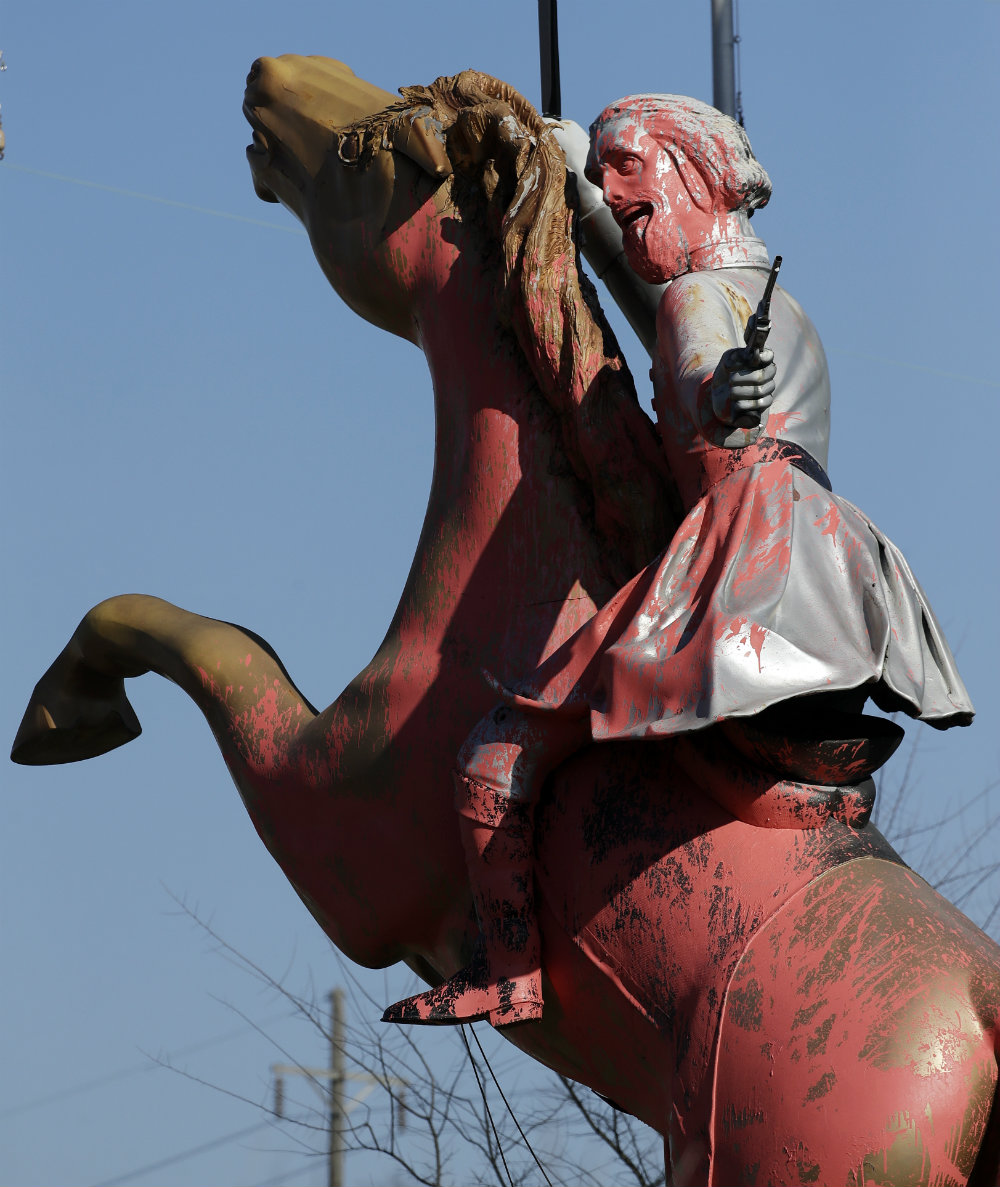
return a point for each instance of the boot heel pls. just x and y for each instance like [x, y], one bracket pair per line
[519, 999]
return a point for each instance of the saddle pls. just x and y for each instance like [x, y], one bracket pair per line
[793, 766]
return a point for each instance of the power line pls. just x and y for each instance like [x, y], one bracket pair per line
[113, 189]
[876, 358]
[135, 1070]
[202, 1149]
[283, 1179]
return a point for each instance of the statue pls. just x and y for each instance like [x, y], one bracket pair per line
[776, 600]
[784, 1004]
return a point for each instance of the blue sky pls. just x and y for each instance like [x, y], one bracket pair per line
[152, 351]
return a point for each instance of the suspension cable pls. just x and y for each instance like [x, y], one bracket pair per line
[486, 1104]
[524, 1136]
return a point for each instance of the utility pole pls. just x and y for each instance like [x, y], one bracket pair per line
[723, 58]
[337, 1075]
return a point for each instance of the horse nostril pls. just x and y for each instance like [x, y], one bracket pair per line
[254, 72]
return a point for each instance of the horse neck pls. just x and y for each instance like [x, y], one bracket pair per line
[506, 568]
[508, 560]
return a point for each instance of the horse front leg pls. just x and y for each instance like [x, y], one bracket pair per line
[79, 708]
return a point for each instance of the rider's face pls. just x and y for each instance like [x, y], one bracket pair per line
[648, 198]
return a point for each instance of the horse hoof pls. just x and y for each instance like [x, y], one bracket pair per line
[57, 730]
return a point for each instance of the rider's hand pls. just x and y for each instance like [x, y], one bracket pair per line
[575, 143]
[743, 387]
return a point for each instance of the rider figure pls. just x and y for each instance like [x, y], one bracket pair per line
[773, 592]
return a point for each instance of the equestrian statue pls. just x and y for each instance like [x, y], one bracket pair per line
[607, 780]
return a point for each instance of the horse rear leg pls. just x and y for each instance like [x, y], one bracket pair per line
[858, 1044]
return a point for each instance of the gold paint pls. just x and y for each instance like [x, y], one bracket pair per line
[966, 1137]
[932, 1032]
[737, 303]
[904, 1162]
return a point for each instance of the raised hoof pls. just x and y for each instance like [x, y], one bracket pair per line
[56, 729]
[469, 997]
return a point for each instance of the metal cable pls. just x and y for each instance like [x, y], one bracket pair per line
[486, 1104]
[524, 1137]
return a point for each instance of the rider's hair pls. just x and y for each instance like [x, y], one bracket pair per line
[510, 172]
[699, 137]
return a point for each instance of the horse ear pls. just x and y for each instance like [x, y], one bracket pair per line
[420, 137]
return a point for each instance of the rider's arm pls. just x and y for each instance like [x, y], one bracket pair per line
[701, 390]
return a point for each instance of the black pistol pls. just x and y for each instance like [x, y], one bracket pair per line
[759, 325]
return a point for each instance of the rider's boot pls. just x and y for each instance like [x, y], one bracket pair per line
[503, 981]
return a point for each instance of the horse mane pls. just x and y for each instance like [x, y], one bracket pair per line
[506, 159]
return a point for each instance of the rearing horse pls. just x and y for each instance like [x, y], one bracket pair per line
[784, 1004]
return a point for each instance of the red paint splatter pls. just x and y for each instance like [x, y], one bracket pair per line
[757, 636]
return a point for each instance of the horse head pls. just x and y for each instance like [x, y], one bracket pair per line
[445, 205]
[351, 192]
[373, 178]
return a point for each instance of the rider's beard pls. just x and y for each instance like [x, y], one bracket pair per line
[659, 251]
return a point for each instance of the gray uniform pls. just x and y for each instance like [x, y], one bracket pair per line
[773, 587]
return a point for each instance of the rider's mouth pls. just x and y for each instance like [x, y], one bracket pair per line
[633, 220]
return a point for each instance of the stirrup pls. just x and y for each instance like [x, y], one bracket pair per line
[471, 995]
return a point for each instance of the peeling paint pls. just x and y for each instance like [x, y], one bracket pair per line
[733, 954]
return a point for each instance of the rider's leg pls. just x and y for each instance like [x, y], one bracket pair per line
[502, 767]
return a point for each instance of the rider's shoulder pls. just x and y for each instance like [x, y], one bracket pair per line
[698, 303]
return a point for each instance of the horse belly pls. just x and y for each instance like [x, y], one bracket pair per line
[858, 1039]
